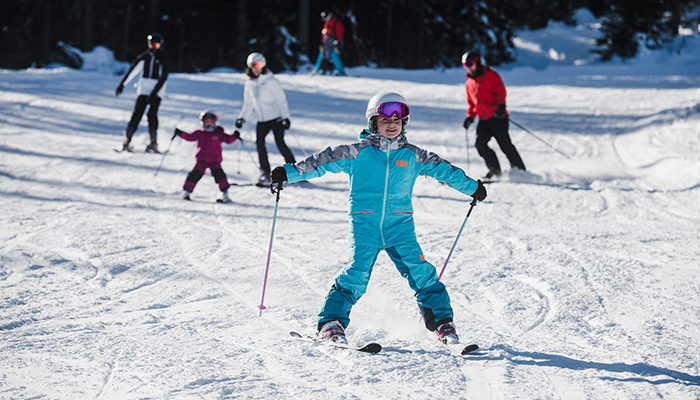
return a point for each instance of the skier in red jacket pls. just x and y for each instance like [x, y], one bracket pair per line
[331, 43]
[486, 98]
[209, 140]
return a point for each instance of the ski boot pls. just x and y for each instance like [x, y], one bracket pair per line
[186, 195]
[333, 331]
[152, 148]
[264, 181]
[223, 197]
[127, 147]
[493, 173]
[447, 333]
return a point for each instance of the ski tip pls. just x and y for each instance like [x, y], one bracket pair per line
[373, 348]
[469, 349]
[295, 334]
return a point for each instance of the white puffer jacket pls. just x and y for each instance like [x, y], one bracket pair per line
[266, 96]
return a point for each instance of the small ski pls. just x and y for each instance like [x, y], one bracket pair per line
[468, 349]
[368, 348]
[123, 150]
[460, 349]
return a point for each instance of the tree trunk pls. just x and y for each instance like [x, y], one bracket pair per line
[303, 30]
[88, 37]
[241, 33]
[46, 33]
[77, 37]
[127, 26]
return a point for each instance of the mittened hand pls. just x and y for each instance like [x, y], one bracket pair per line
[501, 111]
[239, 122]
[467, 122]
[176, 133]
[285, 123]
[278, 175]
[120, 89]
[480, 192]
[237, 135]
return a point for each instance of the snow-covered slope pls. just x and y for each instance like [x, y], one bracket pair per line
[579, 279]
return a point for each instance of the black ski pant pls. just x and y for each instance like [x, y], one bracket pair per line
[198, 171]
[496, 128]
[139, 108]
[262, 129]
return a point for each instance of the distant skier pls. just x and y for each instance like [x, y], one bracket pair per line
[486, 98]
[209, 139]
[331, 43]
[383, 168]
[152, 68]
[264, 94]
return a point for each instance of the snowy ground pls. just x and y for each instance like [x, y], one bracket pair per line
[579, 279]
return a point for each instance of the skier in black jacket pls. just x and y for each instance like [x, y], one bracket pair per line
[152, 67]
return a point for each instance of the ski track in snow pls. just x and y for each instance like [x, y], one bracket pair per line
[578, 279]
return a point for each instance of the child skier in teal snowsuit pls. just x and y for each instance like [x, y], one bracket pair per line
[383, 168]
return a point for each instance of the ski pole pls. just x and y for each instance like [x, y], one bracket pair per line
[466, 130]
[298, 143]
[269, 250]
[165, 154]
[240, 148]
[536, 137]
[473, 203]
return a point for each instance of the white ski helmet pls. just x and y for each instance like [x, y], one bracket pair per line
[255, 57]
[387, 104]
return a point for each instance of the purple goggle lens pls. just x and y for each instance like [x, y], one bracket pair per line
[387, 110]
[468, 63]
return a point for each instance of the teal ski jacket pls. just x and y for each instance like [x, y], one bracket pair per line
[382, 174]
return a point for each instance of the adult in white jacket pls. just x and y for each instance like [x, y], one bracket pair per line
[264, 94]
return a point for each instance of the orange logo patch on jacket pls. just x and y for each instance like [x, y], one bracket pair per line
[400, 163]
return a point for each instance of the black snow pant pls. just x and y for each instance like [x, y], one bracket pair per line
[139, 108]
[262, 129]
[496, 128]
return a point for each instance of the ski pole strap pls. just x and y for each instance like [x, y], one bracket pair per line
[447, 260]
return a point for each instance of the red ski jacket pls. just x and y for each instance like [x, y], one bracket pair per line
[484, 93]
[334, 29]
[209, 143]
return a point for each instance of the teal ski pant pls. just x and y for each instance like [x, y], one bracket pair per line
[351, 284]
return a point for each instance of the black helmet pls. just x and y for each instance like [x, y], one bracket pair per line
[326, 15]
[471, 57]
[155, 41]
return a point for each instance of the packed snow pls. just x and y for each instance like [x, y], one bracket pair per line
[579, 279]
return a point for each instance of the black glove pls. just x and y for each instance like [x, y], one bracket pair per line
[239, 122]
[285, 123]
[480, 192]
[237, 135]
[176, 133]
[501, 111]
[467, 122]
[278, 175]
[120, 89]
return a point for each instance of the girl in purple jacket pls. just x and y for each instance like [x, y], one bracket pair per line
[209, 139]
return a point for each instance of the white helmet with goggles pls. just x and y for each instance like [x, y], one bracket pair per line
[256, 58]
[387, 104]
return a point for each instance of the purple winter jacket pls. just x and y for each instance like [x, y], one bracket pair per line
[209, 143]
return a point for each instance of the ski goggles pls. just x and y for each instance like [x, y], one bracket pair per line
[387, 110]
[469, 63]
[258, 64]
[154, 45]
